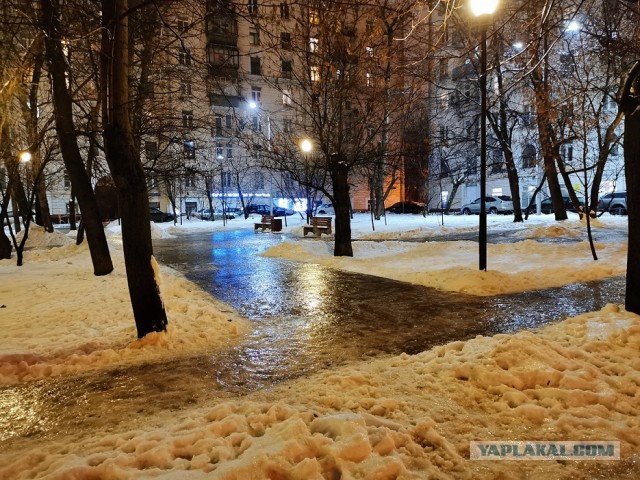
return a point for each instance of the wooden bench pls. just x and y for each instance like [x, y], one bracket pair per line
[319, 225]
[265, 223]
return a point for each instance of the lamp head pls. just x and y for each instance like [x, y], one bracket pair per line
[483, 7]
[306, 146]
[25, 156]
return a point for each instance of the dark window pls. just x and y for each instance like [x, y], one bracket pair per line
[254, 38]
[218, 126]
[187, 119]
[183, 25]
[226, 179]
[286, 68]
[529, 156]
[252, 5]
[184, 57]
[228, 121]
[255, 66]
[284, 10]
[285, 40]
[151, 150]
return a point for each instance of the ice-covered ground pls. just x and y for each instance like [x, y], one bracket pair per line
[400, 418]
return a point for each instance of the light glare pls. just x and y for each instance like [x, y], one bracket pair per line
[483, 7]
[306, 146]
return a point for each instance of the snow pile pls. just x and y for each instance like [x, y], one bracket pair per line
[405, 417]
[452, 266]
[56, 317]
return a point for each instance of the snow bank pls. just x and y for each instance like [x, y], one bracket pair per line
[452, 266]
[405, 417]
[56, 317]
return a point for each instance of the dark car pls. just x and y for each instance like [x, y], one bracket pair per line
[615, 203]
[266, 210]
[158, 216]
[547, 207]
[406, 207]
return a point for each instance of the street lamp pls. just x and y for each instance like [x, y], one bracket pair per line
[25, 156]
[306, 146]
[254, 106]
[483, 9]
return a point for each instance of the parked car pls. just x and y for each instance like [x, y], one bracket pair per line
[547, 207]
[493, 205]
[406, 207]
[325, 209]
[615, 203]
[266, 210]
[208, 214]
[158, 216]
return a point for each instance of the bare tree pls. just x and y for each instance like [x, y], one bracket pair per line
[126, 168]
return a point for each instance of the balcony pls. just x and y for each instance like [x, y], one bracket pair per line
[222, 29]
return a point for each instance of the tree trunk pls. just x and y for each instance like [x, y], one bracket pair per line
[30, 113]
[502, 132]
[630, 104]
[67, 138]
[128, 174]
[342, 207]
[546, 134]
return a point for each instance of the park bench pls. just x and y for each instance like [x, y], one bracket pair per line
[319, 225]
[264, 223]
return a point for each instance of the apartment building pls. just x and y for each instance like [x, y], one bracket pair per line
[582, 102]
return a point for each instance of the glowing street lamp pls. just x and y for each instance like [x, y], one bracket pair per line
[25, 156]
[483, 9]
[306, 146]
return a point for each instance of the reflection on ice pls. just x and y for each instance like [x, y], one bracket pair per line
[306, 318]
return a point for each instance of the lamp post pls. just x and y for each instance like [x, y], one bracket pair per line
[306, 146]
[254, 106]
[483, 9]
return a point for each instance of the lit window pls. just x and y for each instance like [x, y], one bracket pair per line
[313, 44]
[189, 149]
[369, 51]
[256, 94]
[315, 73]
[286, 98]
[314, 19]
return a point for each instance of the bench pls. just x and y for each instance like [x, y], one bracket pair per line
[265, 223]
[319, 225]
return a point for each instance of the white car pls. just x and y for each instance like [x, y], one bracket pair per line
[497, 204]
[325, 209]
